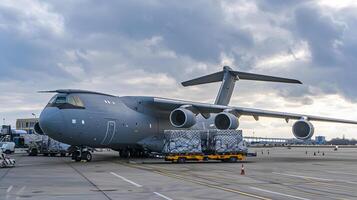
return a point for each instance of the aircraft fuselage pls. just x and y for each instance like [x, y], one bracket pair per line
[105, 121]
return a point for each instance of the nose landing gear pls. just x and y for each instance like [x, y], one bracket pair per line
[82, 153]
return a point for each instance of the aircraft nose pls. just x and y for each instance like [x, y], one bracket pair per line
[51, 121]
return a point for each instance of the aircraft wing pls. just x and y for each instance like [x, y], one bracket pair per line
[206, 108]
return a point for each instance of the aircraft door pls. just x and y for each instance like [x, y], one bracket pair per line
[109, 135]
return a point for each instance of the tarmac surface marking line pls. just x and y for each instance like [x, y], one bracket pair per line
[163, 196]
[168, 174]
[212, 186]
[125, 179]
[9, 188]
[87, 179]
[316, 178]
[21, 190]
[278, 193]
[304, 177]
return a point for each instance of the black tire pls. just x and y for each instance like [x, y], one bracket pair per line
[181, 160]
[63, 154]
[33, 152]
[87, 156]
[7, 151]
[233, 159]
[52, 154]
[76, 157]
[45, 154]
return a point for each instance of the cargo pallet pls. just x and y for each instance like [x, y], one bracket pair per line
[227, 157]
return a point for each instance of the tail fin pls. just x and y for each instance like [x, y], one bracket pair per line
[228, 78]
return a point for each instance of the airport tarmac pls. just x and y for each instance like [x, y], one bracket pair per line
[282, 174]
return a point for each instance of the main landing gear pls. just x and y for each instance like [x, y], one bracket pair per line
[132, 153]
[82, 153]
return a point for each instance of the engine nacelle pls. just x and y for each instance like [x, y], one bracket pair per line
[38, 129]
[225, 120]
[303, 129]
[182, 118]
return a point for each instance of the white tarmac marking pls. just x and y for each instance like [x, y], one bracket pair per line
[316, 178]
[21, 190]
[278, 193]
[305, 177]
[163, 196]
[337, 172]
[125, 179]
[9, 188]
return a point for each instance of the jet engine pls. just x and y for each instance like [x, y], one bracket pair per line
[303, 129]
[38, 129]
[225, 120]
[182, 118]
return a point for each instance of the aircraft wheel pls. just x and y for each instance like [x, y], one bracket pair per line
[87, 156]
[181, 160]
[33, 152]
[233, 159]
[76, 157]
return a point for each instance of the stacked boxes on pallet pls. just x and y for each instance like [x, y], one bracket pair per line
[182, 141]
[207, 141]
[228, 141]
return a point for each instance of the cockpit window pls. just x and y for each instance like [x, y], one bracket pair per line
[60, 100]
[66, 102]
[71, 100]
[78, 101]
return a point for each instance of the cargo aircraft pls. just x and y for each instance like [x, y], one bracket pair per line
[133, 124]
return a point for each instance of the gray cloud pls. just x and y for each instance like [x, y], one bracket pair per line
[115, 46]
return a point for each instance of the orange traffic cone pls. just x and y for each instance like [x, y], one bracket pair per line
[242, 172]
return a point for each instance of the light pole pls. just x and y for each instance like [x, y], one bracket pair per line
[33, 114]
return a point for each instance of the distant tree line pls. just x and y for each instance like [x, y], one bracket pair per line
[339, 141]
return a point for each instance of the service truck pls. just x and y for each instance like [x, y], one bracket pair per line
[7, 147]
[203, 145]
[45, 145]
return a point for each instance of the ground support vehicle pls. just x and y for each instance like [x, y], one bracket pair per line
[7, 147]
[46, 146]
[181, 158]
[6, 161]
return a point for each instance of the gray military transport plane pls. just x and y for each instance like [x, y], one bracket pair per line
[133, 124]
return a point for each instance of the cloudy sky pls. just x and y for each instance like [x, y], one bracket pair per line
[149, 47]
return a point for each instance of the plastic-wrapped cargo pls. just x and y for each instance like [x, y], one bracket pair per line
[182, 141]
[227, 141]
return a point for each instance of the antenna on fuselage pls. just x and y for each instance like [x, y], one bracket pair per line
[228, 78]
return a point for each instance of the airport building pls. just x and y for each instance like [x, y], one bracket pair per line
[26, 124]
[320, 140]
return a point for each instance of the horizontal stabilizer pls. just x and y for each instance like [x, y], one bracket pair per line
[211, 78]
[218, 76]
[229, 77]
[258, 77]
